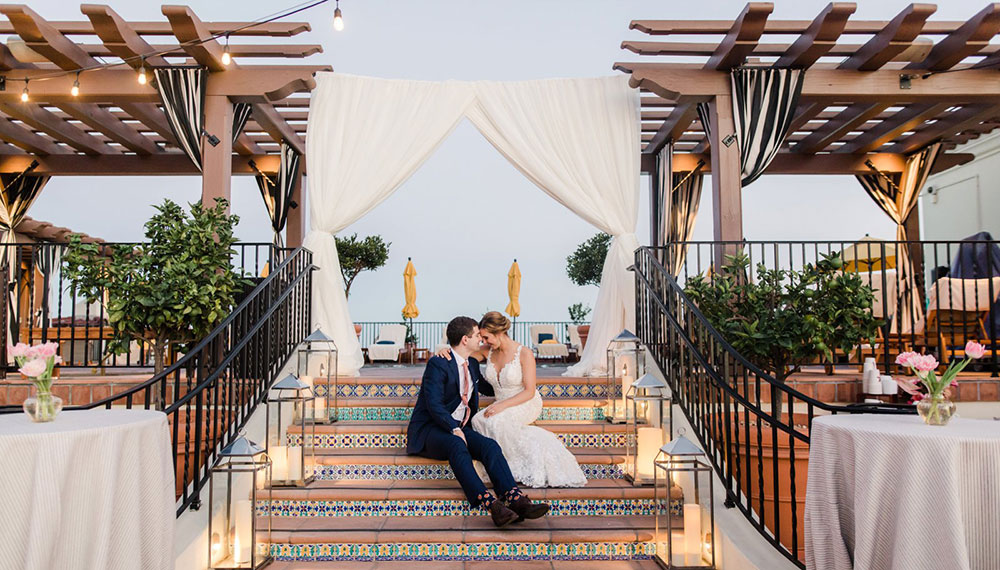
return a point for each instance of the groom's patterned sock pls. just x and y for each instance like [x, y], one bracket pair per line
[512, 495]
[486, 499]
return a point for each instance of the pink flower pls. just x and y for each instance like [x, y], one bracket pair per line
[924, 363]
[34, 367]
[974, 349]
[916, 398]
[954, 384]
[46, 350]
[18, 350]
[908, 385]
[904, 358]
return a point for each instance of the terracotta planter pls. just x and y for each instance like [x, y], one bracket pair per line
[751, 467]
[584, 330]
[357, 331]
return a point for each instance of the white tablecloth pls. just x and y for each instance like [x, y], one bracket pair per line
[93, 490]
[890, 492]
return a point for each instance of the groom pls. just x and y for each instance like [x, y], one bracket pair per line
[440, 428]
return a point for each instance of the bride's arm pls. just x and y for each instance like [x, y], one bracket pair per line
[528, 377]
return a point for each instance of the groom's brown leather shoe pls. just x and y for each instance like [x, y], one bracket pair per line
[525, 509]
[502, 516]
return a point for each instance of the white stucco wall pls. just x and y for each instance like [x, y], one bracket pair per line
[966, 199]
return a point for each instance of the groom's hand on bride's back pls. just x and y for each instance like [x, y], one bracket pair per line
[444, 353]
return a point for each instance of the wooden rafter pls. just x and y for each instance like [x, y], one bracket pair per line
[821, 36]
[47, 122]
[99, 119]
[955, 122]
[271, 29]
[188, 27]
[742, 37]
[891, 40]
[906, 120]
[119, 38]
[967, 40]
[672, 128]
[833, 130]
[27, 140]
[271, 121]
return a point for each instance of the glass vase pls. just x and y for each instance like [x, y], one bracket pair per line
[936, 410]
[43, 406]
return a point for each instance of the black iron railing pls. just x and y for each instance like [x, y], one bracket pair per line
[430, 333]
[211, 391]
[944, 316]
[40, 306]
[753, 428]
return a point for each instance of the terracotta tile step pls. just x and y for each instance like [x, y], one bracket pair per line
[396, 456]
[466, 529]
[483, 402]
[585, 426]
[416, 380]
[476, 565]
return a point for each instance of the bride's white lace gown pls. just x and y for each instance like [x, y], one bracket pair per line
[536, 456]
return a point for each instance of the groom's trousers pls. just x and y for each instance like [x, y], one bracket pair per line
[445, 445]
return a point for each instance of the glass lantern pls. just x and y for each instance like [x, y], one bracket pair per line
[626, 362]
[288, 413]
[316, 365]
[684, 537]
[244, 538]
[649, 424]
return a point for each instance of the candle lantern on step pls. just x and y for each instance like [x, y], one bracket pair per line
[684, 533]
[316, 365]
[649, 424]
[237, 537]
[626, 362]
[291, 436]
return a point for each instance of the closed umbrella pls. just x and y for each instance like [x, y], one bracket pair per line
[410, 311]
[514, 291]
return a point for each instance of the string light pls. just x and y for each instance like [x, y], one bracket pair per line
[142, 72]
[226, 58]
[24, 94]
[338, 18]
[75, 91]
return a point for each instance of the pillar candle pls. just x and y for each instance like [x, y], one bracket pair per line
[692, 534]
[319, 409]
[650, 441]
[294, 463]
[626, 384]
[889, 385]
[243, 542]
[279, 462]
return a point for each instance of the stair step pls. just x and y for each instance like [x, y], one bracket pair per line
[446, 490]
[549, 388]
[400, 409]
[471, 565]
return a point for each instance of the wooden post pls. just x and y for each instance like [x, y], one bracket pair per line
[295, 227]
[727, 202]
[916, 251]
[217, 161]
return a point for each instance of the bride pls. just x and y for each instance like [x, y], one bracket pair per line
[536, 456]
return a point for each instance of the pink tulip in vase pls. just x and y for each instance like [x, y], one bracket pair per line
[929, 391]
[36, 363]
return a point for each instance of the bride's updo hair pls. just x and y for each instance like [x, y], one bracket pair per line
[494, 322]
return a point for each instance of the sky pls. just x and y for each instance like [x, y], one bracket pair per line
[467, 213]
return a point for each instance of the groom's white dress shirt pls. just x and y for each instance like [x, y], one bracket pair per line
[464, 387]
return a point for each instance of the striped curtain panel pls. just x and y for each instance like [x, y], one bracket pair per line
[685, 197]
[705, 117]
[764, 103]
[182, 93]
[659, 198]
[241, 114]
[897, 196]
[17, 195]
[277, 189]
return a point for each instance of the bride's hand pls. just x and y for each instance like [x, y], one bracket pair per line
[444, 353]
[492, 410]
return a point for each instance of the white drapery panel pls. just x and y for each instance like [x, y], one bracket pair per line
[575, 139]
[366, 136]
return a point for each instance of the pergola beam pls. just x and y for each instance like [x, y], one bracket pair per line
[29, 141]
[782, 27]
[188, 28]
[271, 121]
[906, 120]
[270, 29]
[833, 130]
[967, 40]
[742, 37]
[47, 122]
[791, 163]
[101, 120]
[891, 40]
[955, 122]
[821, 36]
[118, 36]
[673, 128]
[128, 165]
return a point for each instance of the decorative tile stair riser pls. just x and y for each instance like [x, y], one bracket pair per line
[569, 391]
[433, 472]
[457, 551]
[402, 414]
[398, 440]
[447, 508]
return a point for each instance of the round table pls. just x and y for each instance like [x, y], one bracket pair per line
[890, 492]
[92, 489]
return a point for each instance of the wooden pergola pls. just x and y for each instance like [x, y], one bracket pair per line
[117, 126]
[887, 90]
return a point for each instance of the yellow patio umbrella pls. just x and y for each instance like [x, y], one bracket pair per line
[514, 291]
[869, 254]
[410, 311]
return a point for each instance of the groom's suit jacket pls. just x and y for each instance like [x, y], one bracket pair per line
[439, 396]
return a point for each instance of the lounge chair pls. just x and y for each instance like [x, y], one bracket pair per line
[541, 333]
[956, 313]
[391, 339]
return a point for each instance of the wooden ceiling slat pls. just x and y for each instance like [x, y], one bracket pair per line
[821, 36]
[118, 37]
[782, 27]
[47, 122]
[803, 114]
[101, 120]
[672, 128]
[835, 129]
[235, 50]
[246, 146]
[891, 40]
[742, 37]
[967, 117]
[271, 29]
[905, 120]
[967, 40]
[271, 121]
[27, 140]
[152, 118]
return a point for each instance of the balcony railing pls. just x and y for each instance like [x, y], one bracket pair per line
[753, 428]
[955, 286]
[42, 308]
[431, 333]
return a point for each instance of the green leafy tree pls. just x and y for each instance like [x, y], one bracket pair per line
[578, 313]
[586, 264]
[172, 290]
[783, 319]
[357, 255]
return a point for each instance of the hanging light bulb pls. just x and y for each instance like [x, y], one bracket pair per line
[226, 58]
[338, 18]
[24, 94]
[75, 90]
[142, 72]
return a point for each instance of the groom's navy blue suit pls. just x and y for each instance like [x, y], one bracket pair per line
[430, 431]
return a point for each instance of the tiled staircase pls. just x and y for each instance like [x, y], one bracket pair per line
[373, 506]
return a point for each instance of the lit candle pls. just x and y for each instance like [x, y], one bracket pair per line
[243, 542]
[308, 380]
[692, 534]
[626, 384]
[279, 462]
[650, 441]
[294, 463]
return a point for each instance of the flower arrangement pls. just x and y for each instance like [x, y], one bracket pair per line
[933, 405]
[36, 363]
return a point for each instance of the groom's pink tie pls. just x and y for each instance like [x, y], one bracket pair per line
[465, 389]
